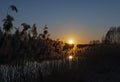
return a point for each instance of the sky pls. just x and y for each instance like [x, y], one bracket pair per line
[81, 20]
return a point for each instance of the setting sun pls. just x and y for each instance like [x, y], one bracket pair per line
[70, 57]
[71, 41]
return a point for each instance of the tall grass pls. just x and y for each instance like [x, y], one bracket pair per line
[34, 71]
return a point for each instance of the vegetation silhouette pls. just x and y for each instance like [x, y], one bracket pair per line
[27, 55]
[27, 44]
[7, 25]
[112, 36]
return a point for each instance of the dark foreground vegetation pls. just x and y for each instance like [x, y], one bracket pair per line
[97, 64]
[25, 43]
[29, 56]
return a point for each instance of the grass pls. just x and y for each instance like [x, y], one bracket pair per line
[96, 64]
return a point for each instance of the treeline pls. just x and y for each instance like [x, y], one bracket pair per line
[112, 36]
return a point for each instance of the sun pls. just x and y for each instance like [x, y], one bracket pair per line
[71, 41]
[70, 57]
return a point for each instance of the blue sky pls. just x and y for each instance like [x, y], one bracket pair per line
[82, 20]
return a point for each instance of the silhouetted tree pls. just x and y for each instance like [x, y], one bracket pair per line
[95, 42]
[113, 35]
